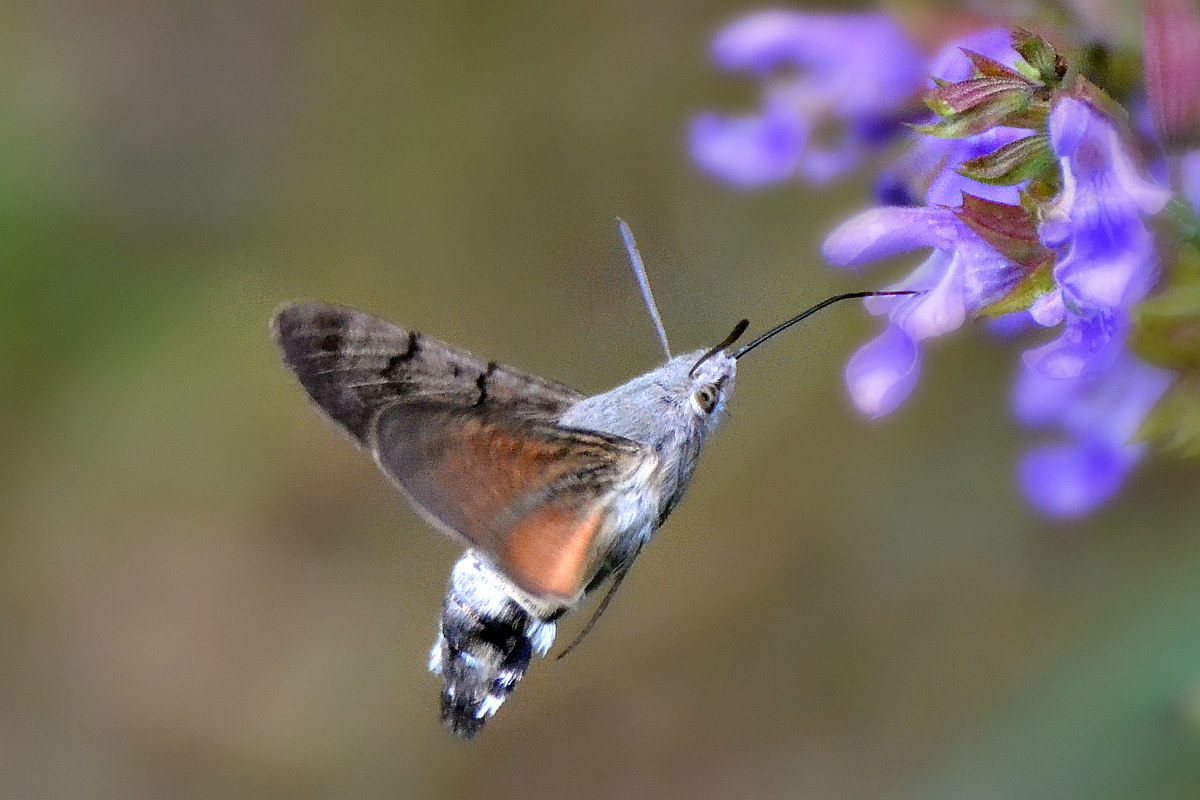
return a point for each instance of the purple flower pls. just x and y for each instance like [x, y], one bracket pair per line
[1110, 258]
[1107, 258]
[926, 172]
[948, 186]
[1088, 344]
[883, 372]
[962, 275]
[836, 86]
[1190, 168]
[1085, 381]
[1098, 416]
[858, 70]
[951, 65]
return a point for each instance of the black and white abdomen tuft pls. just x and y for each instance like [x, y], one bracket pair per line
[486, 643]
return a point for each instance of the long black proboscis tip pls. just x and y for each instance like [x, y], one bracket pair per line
[837, 298]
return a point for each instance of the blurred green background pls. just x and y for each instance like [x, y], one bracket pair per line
[207, 593]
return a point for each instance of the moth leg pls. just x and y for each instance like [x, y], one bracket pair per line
[490, 632]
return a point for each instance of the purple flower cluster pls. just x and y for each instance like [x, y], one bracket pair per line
[962, 275]
[1086, 381]
[1097, 416]
[834, 87]
[1100, 258]
[925, 172]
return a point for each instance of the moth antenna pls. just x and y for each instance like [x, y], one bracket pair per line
[591, 623]
[639, 269]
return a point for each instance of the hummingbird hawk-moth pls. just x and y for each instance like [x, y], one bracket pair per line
[553, 492]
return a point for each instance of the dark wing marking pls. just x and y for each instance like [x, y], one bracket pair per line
[353, 364]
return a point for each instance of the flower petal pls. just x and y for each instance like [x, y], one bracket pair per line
[1071, 122]
[942, 308]
[951, 65]
[1100, 415]
[1011, 325]
[1111, 258]
[1070, 480]
[852, 74]
[882, 373]
[1086, 346]
[748, 151]
[1112, 405]
[1093, 150]
[1150, 199]
[1048, 310]
[881, 232]
[1038, 400]
[1109, 276]
[1189, 168]
[865, 61]
[821, 165]
[760, 42]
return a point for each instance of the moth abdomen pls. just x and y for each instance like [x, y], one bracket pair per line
[485, 644]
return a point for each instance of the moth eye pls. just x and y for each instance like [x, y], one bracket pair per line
[706, 397]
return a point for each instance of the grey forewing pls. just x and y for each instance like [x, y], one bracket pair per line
[352, 364]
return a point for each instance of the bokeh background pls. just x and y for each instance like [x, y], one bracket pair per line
[207, 593]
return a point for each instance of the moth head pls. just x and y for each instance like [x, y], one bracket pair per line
[711, 385]
[710, 376]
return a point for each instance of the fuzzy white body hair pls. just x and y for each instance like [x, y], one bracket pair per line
[658, 411]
